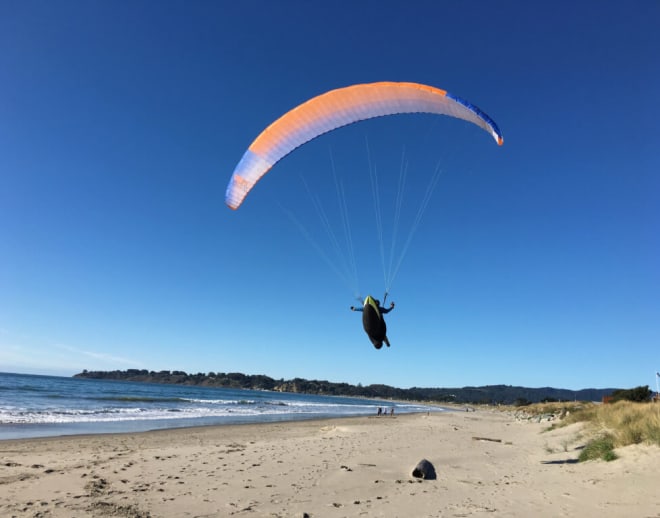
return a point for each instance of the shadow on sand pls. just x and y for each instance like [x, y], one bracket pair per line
[566, 461]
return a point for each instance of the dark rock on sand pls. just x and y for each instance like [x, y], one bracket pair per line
[425, 470]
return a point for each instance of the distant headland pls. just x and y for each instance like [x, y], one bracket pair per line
[488, 394]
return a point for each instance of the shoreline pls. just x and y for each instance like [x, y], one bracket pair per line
[20, 431]
[345, 466]
[187, 429]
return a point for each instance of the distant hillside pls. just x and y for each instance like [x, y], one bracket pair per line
[489, 394]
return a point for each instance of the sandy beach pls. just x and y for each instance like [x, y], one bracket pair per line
[486, 463]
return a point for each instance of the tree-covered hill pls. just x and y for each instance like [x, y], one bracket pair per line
[489, 394]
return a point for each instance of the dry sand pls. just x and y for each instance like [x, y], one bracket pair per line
[329, 468]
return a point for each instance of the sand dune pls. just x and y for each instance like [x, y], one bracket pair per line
[486, 463]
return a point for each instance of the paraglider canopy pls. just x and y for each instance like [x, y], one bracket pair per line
[341, 107]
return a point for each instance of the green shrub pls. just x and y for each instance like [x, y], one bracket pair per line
[639, 394]
[599, 448]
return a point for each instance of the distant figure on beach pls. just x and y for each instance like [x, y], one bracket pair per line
[380, 411]
[392, 411]
[373, 321]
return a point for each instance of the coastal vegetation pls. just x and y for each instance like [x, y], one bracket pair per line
[616, 425]
[607, 427]
[488, 394]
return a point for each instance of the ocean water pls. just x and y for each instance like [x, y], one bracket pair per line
[42, 406]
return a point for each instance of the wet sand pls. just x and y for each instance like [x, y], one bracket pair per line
[486, 463]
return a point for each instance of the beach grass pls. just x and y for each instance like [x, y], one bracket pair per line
[601, 447]
[608, 426]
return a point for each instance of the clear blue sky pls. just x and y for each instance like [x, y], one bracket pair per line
[535, 264]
